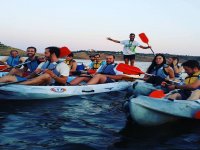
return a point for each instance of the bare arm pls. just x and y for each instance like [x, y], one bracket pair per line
[144, 47]
[116, 41]
[74, 66]
[178, 69]
[21, 60]
[170, 71]
[34, 74]
[61, 79]
[192, 86]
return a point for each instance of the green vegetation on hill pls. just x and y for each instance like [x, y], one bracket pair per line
[5, 50]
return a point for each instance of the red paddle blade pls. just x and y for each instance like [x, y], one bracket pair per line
[144, 38]
[126, 69]
[4, 68]
[91, 71]
[64, 51]
[197, 115]
[157, 94]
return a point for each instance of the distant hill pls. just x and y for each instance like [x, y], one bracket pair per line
[5, 50]
[84, 54]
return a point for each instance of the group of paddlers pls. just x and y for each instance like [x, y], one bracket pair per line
[52, 71]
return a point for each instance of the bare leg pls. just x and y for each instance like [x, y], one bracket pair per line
[8, 78]
[16, 71]
[126, 60]
[195, 95]
[132, 62]
[175, 96]
[40, 80]
[78, 80]
[99, 78]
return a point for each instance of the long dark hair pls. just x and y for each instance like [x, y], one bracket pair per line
[153, 64]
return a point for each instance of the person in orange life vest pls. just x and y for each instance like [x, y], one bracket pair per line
[191, 84]
[98, 62]
[129, 48]
[13, 60]
[72, 64]
[105, 74]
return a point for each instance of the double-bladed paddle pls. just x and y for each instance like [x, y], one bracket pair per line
[145, 39]
[136, 71]
[15, 66]
[132, 70]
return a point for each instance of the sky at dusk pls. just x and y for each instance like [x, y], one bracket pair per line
[172, 26]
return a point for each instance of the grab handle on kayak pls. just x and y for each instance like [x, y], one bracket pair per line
[87, 91]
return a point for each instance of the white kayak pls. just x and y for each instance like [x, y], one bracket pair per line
[26, 92]
[149, 111]
[143, 88]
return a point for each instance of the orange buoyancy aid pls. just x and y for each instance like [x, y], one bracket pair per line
[96, 65]
[193, 78]
[69, 63]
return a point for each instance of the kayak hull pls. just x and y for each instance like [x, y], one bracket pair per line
[25, 92]
[141, 88]
[148, 111]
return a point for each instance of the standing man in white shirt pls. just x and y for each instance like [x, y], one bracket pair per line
[129, 48]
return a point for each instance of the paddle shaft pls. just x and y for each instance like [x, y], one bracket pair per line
[151, 50]
[16, 66]
[166, 79]
[131, 78]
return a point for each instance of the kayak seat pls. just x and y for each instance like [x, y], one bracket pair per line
[80, 67]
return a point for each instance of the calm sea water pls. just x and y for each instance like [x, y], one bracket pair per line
[94, 122]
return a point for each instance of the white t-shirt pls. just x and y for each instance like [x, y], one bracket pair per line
[62, 68]
[129, 47]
